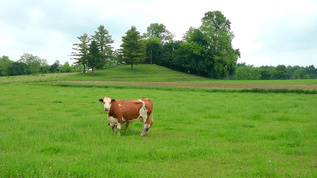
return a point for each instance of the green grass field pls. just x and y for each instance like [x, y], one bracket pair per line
[54, 131]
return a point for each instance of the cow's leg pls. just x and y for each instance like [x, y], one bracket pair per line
[146, 127]
[147, 123]
[127, 125]
[113, 128]
[120, 122]
[119, 128]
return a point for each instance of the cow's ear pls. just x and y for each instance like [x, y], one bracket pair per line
[113, 100]
[101, 100]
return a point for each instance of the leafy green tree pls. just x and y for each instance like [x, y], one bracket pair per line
[55, 67]
[67, 68]
[45, 68]
[311, 71]
[81, 51]
[198, 58]
[156, 36]
[265, 74]
[169, 54]
[218, 34]
[159, 31]
[299, 73]
[247, 73]
[94, 57]
[153, 49]
[17, 68]
[104, 41]
[33, 63]
[280, 72]
[5, 62]
[133, 48]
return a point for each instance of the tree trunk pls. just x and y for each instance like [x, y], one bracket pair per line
[92, 72]
[131, 66]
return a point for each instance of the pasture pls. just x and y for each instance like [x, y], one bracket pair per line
[50, 130]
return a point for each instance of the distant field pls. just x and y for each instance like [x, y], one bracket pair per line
[157, 76]
[53, 126]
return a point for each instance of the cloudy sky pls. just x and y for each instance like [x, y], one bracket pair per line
[267, 32]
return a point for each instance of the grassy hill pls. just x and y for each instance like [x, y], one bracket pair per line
[141, 72]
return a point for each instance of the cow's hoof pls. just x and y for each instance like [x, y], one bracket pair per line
[143, 134]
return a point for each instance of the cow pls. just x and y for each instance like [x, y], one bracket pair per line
[121, 111]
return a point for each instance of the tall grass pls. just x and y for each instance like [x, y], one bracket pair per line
[50, 131]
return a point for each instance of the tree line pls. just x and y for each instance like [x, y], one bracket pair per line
[30, 64]
[280, 72]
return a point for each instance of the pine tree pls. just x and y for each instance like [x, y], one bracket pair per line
[104, 41]
[133, 48]
[82, 50]
[94, 57]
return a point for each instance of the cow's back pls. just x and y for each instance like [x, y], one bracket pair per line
[128, 109]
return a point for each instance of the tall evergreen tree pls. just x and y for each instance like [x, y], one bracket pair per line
[94, 56]
[81, 54]
[133, 48]
[104, 41]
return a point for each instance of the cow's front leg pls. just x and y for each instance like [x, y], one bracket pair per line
[146, 128]
[119, 128]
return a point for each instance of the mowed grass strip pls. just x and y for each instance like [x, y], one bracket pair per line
[49, 131]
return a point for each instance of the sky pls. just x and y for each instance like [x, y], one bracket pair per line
[270, 32]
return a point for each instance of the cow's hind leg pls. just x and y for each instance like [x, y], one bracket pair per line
[113, 128]
[127, 125]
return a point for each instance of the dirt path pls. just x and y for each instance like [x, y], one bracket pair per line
[203, 85]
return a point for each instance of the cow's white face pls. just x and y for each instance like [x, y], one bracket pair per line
[106, 103]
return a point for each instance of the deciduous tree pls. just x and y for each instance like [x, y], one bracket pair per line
[217, 30]
[160, 31]
[33, 63]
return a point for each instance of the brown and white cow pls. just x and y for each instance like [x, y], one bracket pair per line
[121, 111]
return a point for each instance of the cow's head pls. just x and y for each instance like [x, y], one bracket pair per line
[107, 103]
